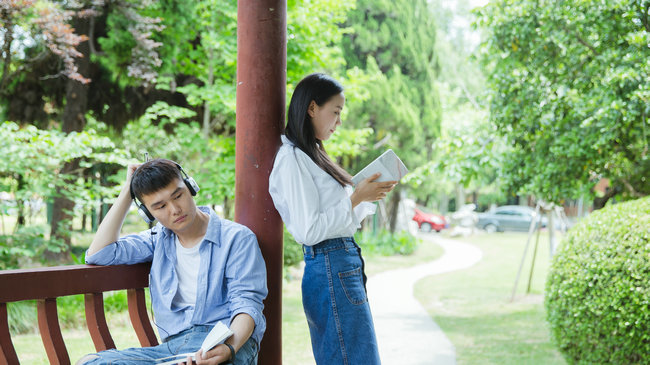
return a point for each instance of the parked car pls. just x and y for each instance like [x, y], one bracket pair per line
[429, 221]
[508, 218]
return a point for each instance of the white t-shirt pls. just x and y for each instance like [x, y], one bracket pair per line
[312, 204]
[187, 265]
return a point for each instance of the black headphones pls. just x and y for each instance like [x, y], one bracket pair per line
[192, 186]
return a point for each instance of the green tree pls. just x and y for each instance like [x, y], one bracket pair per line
[570, 94]
[32, 159]
[394, 43]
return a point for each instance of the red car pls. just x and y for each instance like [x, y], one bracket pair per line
[429, 221]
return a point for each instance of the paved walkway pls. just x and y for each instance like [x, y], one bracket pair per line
[406, 334]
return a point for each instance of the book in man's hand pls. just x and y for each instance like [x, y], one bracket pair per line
[388, 164]
[218, 335]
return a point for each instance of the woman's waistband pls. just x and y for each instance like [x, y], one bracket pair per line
[330, 245]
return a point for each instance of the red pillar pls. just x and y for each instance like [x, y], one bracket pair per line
[261, 89]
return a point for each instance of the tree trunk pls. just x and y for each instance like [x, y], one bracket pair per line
[20, 221]
[74, 120]
[600, 202]
[460, 196]
[6, 49]
[395, 198]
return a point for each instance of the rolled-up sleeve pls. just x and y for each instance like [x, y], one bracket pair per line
[130, 249]
[246, 281]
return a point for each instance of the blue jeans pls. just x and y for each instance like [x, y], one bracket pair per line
[336, 305]
[186, 341]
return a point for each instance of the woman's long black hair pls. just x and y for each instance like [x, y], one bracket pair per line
[319, 88]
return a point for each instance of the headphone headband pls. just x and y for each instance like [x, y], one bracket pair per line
[191, 184]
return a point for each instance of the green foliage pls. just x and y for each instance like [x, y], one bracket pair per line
[22, 317]
[314, 35]
[292, 250]
[597, 293]
[570, 93]
[386, 243]
[31, 169]
[391, 53]
[381, 243]
[25, 245]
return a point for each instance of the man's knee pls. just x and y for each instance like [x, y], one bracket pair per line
[86, 359]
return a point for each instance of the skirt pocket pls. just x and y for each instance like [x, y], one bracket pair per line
[352, 283]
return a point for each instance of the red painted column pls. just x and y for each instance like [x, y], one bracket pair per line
[261, 89]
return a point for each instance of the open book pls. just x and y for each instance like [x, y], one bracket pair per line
[218, 335]
[390, 166]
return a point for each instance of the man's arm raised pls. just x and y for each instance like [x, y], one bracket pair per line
[109, 230]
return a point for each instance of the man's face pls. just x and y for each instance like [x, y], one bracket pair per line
[173, 206]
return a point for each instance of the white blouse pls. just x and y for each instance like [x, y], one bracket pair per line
[313, 205]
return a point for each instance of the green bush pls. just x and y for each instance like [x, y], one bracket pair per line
[597, 293]
[22, 317]
[380, 243]
[71, 311]
[292, 250]
[27, 243]
[385, 243]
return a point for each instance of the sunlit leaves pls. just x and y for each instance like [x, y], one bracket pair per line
[572, 96]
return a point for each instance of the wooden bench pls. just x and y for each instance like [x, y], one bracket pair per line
[46, 284]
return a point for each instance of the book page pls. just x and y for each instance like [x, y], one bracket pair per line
[175, 359]
[217, 335]
[388, 164]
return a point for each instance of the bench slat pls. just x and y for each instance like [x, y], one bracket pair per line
[7, 351]
[139, 318]
[96, 321]
[48, 325]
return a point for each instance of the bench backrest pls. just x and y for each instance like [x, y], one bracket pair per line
[48, 283]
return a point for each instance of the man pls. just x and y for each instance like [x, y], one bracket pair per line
[203, 269]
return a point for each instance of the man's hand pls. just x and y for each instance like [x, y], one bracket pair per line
[129, 173]
[109, 230]
[218, 355]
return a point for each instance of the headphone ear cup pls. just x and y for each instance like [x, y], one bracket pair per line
[145, 215]
[192, 186]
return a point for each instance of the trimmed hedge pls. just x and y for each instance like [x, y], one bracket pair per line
[598, 288]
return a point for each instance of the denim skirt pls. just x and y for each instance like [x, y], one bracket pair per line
[336, 305]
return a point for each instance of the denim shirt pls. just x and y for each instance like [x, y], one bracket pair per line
[232, 274]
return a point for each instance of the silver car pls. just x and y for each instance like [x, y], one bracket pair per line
[508, 218]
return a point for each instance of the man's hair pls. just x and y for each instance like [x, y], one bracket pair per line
[153, 176]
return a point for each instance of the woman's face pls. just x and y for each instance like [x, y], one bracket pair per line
[327, 117]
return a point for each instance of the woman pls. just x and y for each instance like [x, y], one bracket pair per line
[317, 203]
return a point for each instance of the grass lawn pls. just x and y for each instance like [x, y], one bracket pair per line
[474, 310]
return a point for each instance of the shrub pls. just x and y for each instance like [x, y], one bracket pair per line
[379, 243]
[597, 293]
[385, 243]
[292, 250]
[22, 317]
[26, 244]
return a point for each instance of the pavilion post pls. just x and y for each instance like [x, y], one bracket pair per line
[261, 89]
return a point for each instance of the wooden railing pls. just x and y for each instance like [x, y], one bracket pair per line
[46, 284]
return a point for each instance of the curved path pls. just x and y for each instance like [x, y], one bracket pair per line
[405, 332]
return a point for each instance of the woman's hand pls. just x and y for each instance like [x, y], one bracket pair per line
[370, 190]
